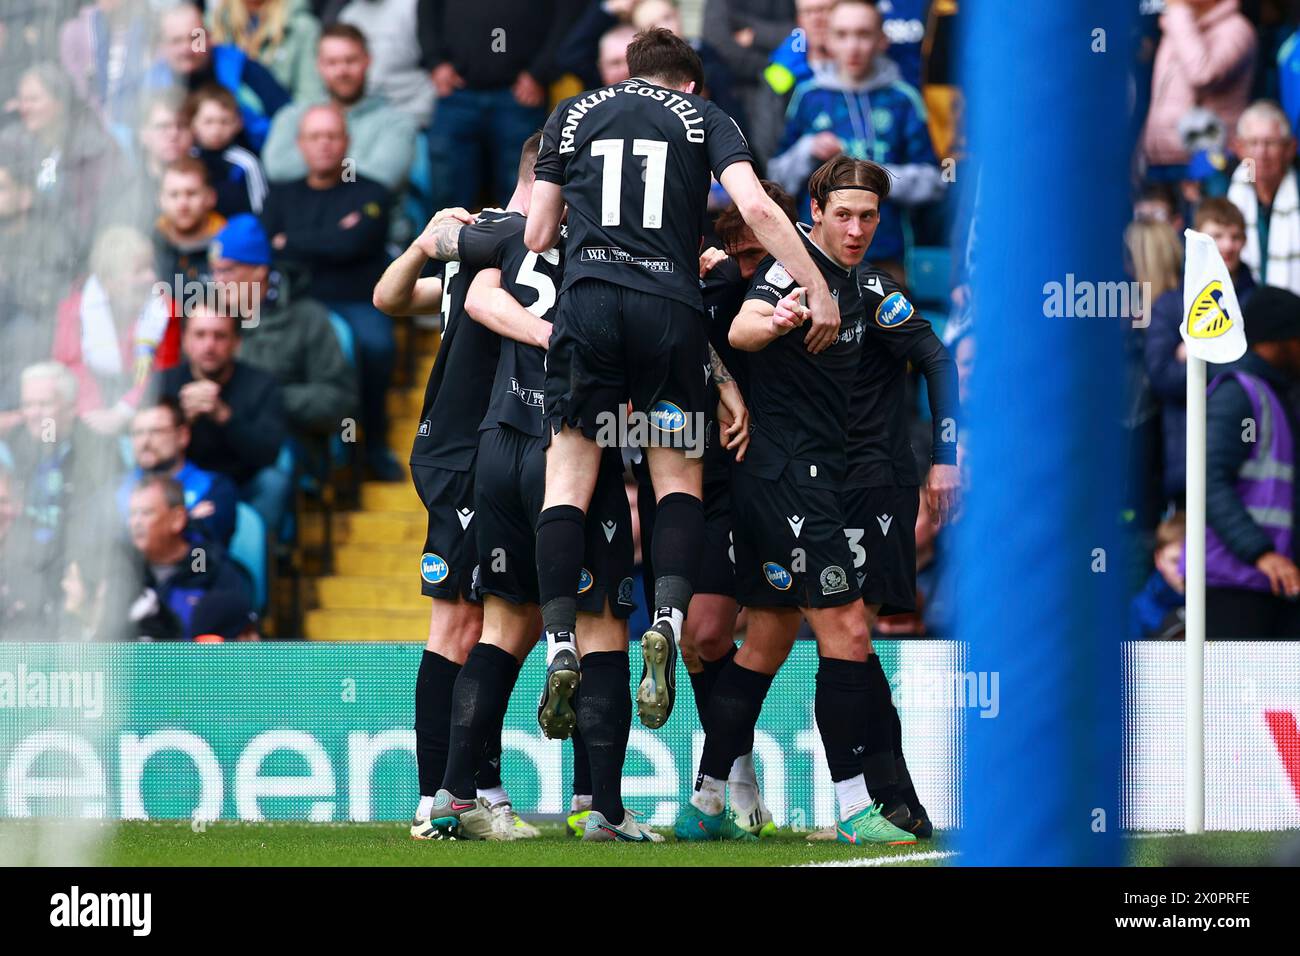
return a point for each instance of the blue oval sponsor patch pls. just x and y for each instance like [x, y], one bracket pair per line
[433, 569]
[777, 576]
[667, 417]
[893, 310]
[585, 581]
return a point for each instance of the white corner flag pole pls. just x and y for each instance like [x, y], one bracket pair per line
[1194, 643]
[1214, 331]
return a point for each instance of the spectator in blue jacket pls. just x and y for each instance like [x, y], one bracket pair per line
[176, 573]
[189, 60]
[1165, 353]
[159, 440]
[865, 111]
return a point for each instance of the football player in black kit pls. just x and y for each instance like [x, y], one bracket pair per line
[708, 640]
[792, 555]
[633, 163]
[442, 466]
[514, 296]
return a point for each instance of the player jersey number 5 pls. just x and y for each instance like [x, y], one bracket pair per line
[610, 151]
[540, 282]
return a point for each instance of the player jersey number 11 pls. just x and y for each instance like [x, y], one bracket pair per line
[655, 152]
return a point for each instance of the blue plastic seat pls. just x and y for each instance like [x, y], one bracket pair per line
[248, 548]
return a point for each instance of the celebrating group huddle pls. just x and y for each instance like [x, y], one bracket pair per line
[790, 352]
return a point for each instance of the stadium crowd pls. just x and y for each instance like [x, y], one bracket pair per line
[196, 200]
[286, 149]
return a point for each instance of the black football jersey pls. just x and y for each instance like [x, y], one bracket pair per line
[879, 446]
[460, 385]
[798, 400]
[635, 160]
[533, 279]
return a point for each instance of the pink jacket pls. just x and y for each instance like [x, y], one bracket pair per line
[1201, 61]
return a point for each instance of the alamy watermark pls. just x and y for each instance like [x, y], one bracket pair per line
[928, 687]
[664, 426]
[243, 299]
[1083, 299]
[58, 690]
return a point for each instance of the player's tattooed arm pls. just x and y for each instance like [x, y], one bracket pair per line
[719, 371]
[441, 237]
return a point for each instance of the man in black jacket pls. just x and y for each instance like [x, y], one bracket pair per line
[333, 223]
[235, 412]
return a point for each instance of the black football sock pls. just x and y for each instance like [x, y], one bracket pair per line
[907, 789]
[878, 760]
[677, 546]
[482, 691]
[841, 706]
[702, 683]
[560, 547]
[488, 775]
[905, 786]
[734, 706]
[581, 765]
[433, 686]
[605, 718]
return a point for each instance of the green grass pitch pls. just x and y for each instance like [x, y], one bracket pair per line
[169, 843]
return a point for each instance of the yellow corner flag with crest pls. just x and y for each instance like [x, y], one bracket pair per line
[1212, 327]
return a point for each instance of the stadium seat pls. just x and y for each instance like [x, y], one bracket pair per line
[418, 202]
[929, 271]
[248, 549]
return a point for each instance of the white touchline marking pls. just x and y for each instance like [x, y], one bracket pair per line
[1153, 835]
[887, 860]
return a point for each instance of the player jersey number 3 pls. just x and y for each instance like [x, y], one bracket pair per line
[655, 152]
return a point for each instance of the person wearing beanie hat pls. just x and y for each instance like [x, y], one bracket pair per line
[1253, 583]
[224, 616]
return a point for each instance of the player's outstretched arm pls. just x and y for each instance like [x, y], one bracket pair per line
[760, 323]
[771, 227]
[545, 210]
[492, 306]
[401, 290]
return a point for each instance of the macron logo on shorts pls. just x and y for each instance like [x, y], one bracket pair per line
[609, 528]
[884, 521]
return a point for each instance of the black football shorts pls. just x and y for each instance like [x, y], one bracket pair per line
[508, 497]
[449, 563]
[791, 550]
[611, 345]
[881, 527]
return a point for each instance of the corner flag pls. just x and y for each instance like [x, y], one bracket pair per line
[1212, 325]
[1215, 331]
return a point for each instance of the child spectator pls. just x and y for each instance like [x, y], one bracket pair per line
[1165, 352]
[192, 66]
[1156, 610]
[188, 223]
[233, 170]
[114, 330]
[865, 111]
